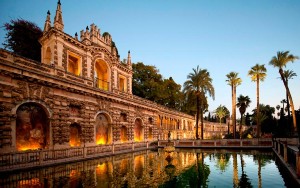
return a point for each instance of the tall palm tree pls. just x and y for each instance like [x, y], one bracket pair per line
[288, 74]
[233, 81]
[199, 83]
[243, 104]
[258, 73]
[281, 61]
[221, 112]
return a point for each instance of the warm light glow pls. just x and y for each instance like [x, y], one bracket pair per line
[101, 169]
[101, 140]
[29, 146]
[73, 173]
[34, 182]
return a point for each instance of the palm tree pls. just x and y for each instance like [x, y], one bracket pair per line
[243, 103]
[288, 74]
[280, 61]
[233, 81]
[258, 73]
[221, 112]
[199, 83]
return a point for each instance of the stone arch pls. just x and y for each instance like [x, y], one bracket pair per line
[102, 74]
[138, 130]
[75, 135]
[103, 128]
[32, 126]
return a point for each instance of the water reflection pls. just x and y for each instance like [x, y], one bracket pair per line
[182, 168]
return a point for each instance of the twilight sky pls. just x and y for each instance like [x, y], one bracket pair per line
[176, 36]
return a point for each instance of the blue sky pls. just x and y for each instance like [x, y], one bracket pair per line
[177, 36]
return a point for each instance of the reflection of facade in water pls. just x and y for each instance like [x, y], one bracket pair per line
[139, 169]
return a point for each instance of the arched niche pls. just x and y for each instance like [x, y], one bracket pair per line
[102, 75]
[138, 130]
[103, 129]
[123, 135]
[75, 134]
[32, 127]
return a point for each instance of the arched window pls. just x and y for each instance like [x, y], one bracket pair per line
[103, 130]
[32, 127]
[101, 75]
[75, 134]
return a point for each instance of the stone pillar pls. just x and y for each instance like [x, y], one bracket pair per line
[285, 152]
[298, 164]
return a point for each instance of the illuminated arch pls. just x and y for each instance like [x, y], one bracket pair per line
[123, 135]
[32, 127]
[138, 130]
[103, 129]
[102, 74]
[75, 134]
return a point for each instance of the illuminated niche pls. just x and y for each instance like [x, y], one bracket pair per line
[32, 127]
[123, 135]
[122, 83]
[103, 130]
[75, 133]
[101, 75]
[74, 64]
[138, 130]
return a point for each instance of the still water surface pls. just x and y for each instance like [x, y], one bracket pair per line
[182, 168]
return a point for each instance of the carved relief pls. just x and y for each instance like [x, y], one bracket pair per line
[34, 91]
[103, 105]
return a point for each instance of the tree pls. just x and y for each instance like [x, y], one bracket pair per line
[22, 38]
[149, 84]
[281, 61]
[198, 84]
[243, 103]
[146, 81]
[266, 117]
[172, 94]
[221, 112]
[288, 74]
[258, 73]
[233, 80]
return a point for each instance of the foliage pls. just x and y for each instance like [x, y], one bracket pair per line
[222, 112]
[198, 84]
[257, 74]
[223, 161]
[266, 118]
[233, 80]
[280, 61]
[22, 38]
[149, 84]
[243, 103]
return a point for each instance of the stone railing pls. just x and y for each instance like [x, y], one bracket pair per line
[37, 158]
[222, 143]
[288, 152]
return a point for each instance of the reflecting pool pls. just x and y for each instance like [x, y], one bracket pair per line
[182, 168]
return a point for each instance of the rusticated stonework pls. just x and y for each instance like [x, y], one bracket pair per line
[58, 104]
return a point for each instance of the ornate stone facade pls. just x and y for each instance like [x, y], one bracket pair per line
[84, 90]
